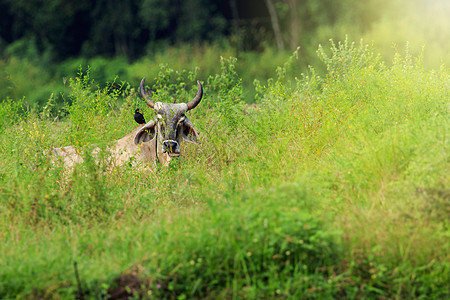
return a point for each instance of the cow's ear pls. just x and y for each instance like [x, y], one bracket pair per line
[146, 133]
[188, 131]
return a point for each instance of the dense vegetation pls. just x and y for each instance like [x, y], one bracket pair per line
[44, 42]
[329, 186]
[61, 29]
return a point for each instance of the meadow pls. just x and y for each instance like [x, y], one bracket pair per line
[330, 185]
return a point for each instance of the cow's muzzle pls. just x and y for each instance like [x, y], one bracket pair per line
[171, 147]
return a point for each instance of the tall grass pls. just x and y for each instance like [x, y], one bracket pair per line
[331, 186]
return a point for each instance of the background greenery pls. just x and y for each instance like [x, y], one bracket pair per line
[322, 172]
[44, 42]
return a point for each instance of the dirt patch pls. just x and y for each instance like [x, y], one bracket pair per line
[127, 286]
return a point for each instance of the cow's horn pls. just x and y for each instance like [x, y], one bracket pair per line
[146, 95]
[197, 97]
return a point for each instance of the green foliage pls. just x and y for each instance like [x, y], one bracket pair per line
[9, 111]
[227, 88]
[89, 109]
[23, 77]
[240, 247]
[347, 58]
[328, 187]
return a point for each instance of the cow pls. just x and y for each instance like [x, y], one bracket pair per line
[157, 140]
[161, 137]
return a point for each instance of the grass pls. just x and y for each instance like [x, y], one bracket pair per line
[331, 186]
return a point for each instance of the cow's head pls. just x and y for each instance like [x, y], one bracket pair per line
[170, 126]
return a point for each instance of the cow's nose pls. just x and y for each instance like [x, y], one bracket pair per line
[170, 145]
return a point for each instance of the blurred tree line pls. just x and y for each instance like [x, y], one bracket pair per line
[43, 42]
[62, 29]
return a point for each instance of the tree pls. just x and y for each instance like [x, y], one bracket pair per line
[181, 20]
[294, 24]
[157, 17]
[275, 24]
[49, 23]
[115, 28]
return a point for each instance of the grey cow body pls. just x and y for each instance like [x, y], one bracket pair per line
[157, 140]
